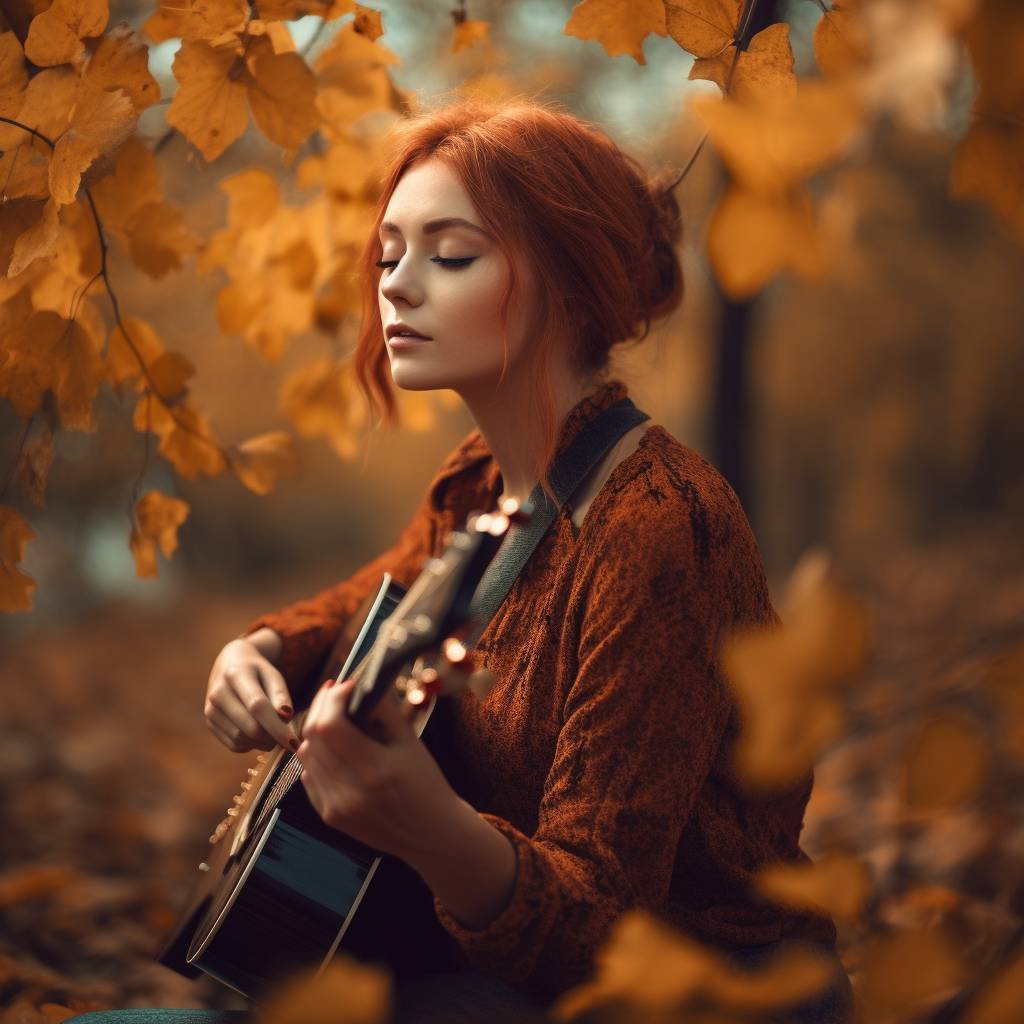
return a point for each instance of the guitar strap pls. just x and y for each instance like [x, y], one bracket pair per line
[593, 441]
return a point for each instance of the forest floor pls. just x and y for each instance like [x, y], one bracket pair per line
[111, 784]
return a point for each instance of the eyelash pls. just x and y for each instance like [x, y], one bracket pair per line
[462, 262]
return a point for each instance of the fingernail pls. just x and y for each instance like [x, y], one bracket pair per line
[293, 743]
[284, 709]
[329, 682]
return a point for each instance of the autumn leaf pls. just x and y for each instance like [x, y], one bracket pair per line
[468, 33]
[345, 992]
[840, 40]
[36, 241]
[368, 22]
[838, 885]
[209, 107]
[261, 461]
[34, 466]
[121, 61]
[764, 69]
[15, 586]
[155, 522]
[210, 21]
[999, 1001]
[55, 36]
[282, 94]
[947, 763]
[620, 26]
[706, 29]
[786, 680]
[101, 121]
[989, 165]
[321, 400]
[13, 75]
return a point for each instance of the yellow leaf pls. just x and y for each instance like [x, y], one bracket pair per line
[101, 121]
[840, 40]
[260, 461]
[838, 885]
[37, 241]
[751, 238]
[368, 22]
[620, 26]
[73, 356]
[253, 197]
[134, 183]
[155, 522]
[122, 363]
[211, 20]
[159, 238]
[469, 33]
[704, 29]
[321, 400]
[169, 376]
[282, 94]
[55, 36]
[209, 108]
[786, 679]
[34, 467]
[947, 764]
[15, 586]
[345, 992]
[765, 67]
[989, 165]
[772, 144]
[121, 61]
[186, 438]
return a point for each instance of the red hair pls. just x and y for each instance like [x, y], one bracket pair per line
[599, 233]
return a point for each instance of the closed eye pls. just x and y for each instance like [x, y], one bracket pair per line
[443, 261]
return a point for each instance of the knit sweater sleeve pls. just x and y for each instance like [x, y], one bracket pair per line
[641, 726]
[309, 627]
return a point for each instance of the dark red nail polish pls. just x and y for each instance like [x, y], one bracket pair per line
[285, 709]
[294, 744]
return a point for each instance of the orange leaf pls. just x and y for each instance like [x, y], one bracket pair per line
[765, 67]
[368, 22]
[947, 764]
[840, 41]
[121, 61]
[38, 241]
[15, 586]
[836, 884]
[469, 33]
[73, 356]
[363, 990]
[260, 461]
[704, 29]
[321, 400]
[186, 438]
[155, 522]
[209, 108]
[34, 466]
[102, 120]
[55, 36]
[620, 26]
[13, 76]
[282, 94]
[122, 364]
[989, 165]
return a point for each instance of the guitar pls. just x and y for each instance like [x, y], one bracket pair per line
[280, 890]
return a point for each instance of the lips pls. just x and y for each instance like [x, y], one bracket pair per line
[401, 330]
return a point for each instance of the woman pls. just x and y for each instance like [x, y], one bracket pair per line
[516, 246]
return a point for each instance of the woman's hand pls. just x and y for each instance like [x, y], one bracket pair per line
[389, 792]
[247, 699]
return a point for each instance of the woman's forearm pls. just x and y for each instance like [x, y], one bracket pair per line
[266, 641]
[470, 866]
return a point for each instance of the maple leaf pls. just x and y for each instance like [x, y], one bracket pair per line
[260, 462]
[706, 29]
[34, 466]
[16, 587]
[620, 26]
[765, 68]
[55, 36]
[101, 121]
[155, 521]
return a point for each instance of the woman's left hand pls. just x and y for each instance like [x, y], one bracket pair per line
[389, 792]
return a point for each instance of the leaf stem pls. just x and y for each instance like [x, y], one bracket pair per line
[17, 457]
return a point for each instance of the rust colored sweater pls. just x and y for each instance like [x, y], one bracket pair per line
[603, 750]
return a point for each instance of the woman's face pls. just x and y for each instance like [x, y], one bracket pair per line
[444, 277]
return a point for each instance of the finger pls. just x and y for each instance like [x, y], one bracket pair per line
[330, 722]
[276, 688]
[227, 733]
[257, 705]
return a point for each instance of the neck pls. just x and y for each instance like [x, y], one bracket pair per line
[507, 421]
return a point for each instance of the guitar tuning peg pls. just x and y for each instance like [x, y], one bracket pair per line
[457, 654]
[252, 771]
[246, 786]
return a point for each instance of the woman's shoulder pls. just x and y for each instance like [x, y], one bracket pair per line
[666, 500]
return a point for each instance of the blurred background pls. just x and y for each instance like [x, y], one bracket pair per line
[873, 414]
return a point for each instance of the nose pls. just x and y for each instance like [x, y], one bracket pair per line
[400, 285]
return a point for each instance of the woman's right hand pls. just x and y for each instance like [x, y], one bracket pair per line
[247, 699]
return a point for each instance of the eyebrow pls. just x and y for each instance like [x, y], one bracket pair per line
[433, 226]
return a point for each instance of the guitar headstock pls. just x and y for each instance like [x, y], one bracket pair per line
[429, 618]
